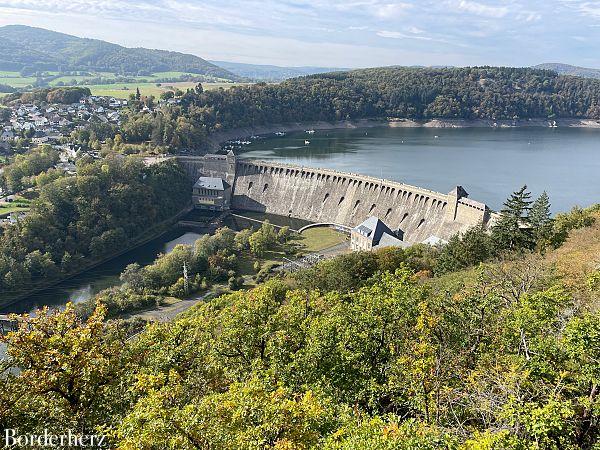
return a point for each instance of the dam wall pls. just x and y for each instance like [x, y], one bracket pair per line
[328, 196]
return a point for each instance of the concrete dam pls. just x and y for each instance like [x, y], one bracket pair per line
[328, 196]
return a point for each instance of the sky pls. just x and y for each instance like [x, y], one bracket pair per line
[334, 33]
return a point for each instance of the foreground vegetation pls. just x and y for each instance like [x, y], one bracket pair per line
[384, 350]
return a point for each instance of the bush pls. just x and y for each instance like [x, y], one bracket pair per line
[573, 220]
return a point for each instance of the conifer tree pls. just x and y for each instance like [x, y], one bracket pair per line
[513, 229]
[541, 219]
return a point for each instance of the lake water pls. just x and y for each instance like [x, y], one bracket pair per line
[489, 163]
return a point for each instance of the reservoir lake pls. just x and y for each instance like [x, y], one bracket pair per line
[489, 163]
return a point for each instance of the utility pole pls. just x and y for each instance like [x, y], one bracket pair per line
[186, 280]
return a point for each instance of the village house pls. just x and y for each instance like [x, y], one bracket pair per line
[39, 138]
[7, 135]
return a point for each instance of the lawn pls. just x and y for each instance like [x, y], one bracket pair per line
[19, 204]
[310, 241]
[7, 208]
[317, 239]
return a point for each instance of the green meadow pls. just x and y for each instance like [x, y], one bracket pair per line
[148, 85]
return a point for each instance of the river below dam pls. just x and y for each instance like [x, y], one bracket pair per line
[489, 163]
[84, 286]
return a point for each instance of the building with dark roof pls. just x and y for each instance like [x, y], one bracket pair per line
[373, 234]
[212, 193]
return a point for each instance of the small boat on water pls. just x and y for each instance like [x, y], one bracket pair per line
[279, 133]
[310, 131]
[306, 142]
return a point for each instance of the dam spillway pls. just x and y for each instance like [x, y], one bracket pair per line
[329, 196]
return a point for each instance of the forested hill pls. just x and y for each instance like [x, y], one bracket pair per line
[36, 49]
[466, 93]
[567, 69]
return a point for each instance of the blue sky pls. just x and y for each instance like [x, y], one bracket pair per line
[342, 33]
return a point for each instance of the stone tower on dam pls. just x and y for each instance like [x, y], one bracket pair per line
[328, 196]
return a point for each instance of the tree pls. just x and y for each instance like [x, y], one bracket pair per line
[283, 235]
[167, 95]
[258, 244]
[70, 369]
[250, 415]
[540, 219]
[470, 248]
[138, 96]
[513, 230]
[134, 277]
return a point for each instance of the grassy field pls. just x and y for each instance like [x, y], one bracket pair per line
[146, 84]
[17, 82]
[317, 239]
[7, 208]
[124, 90]
[311, 241]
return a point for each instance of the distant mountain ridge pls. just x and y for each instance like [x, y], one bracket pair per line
[567, 69]
[38, 49]
[265, 72]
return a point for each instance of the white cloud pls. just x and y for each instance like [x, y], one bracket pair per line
[415, 30]
[391, 10]
[480, 9]
[590, 9]
[287, 31]
[529, 16]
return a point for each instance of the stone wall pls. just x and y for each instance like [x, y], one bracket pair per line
[328, 196]
[321, 195]
[218, 166]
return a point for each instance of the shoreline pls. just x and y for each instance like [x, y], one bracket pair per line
[217, 139]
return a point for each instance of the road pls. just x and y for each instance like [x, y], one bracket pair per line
[168, 313]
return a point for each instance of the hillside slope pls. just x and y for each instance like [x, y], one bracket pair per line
[23, 47]
[566, 69]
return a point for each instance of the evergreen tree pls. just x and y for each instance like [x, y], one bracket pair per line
[513, 230]
[541, 220]
[138, 96]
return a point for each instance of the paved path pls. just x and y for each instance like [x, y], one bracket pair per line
[169, 312]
